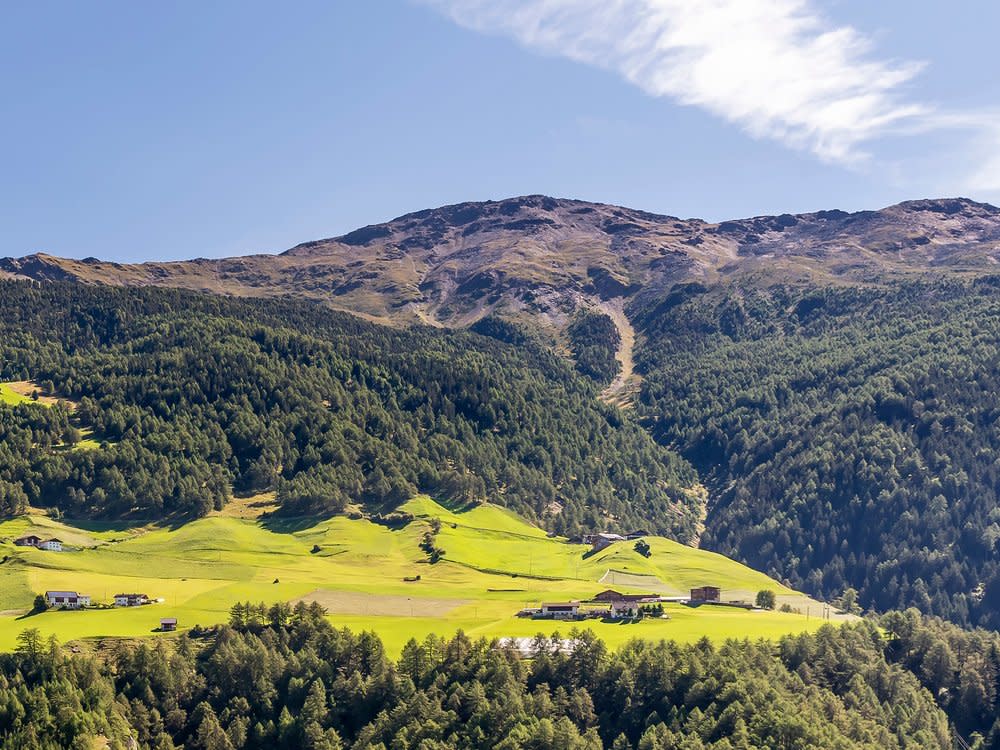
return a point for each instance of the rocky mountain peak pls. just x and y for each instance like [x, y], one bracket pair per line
[542, 258]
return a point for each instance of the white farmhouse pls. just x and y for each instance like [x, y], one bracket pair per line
[66, 600]
[131, 600]
[561, 610]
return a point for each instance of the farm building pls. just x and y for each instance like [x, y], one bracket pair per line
[66, 600]
[131, 600]
[608, 595]
[629, 606]
[168, 624]
[603, 541]
[706, 594]
[624, 605]
[50, 545]
[633, 535]
[561, 610]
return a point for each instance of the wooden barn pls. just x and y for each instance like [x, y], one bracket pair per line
[704, 594]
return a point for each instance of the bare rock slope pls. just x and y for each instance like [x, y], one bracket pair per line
[544, 257]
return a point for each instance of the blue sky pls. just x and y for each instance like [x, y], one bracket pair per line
[140, 131]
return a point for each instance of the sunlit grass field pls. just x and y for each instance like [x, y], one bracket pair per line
[494, 564]
[12, 397]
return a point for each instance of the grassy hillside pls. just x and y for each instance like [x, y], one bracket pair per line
[11, 396]
[494, 564]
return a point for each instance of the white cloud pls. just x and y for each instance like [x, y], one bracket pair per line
[777, 68]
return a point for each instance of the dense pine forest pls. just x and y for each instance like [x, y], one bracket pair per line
[285, 678]
[196, 396]
[849, 436]
[594, 339]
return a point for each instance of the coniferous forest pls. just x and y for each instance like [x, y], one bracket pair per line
[285, 678]
[849, 436]
[195, 396]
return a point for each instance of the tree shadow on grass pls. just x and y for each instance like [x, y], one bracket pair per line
[89, 524]
[456, 506]
[26, 616]
[130, 523]
[279, 524]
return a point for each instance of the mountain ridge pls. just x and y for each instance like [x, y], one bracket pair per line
[544, 258]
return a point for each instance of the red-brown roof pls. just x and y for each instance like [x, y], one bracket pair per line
[610, 595]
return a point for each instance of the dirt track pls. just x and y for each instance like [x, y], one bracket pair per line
[622, 387]
[357, 603]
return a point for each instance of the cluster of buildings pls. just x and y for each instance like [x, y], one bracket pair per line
[31, 540]
[76, 600]
[618, 606]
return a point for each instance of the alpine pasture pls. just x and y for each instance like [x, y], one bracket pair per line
[494, 563]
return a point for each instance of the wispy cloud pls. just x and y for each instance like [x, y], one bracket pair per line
[777, 68]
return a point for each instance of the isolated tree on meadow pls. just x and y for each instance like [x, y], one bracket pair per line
[766, 599]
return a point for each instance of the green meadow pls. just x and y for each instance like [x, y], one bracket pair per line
[11, 397]
[494, 564]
